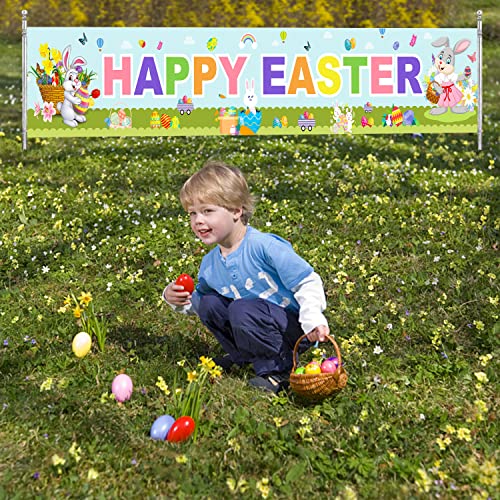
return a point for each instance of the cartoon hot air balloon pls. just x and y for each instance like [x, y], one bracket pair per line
[283, 36]
[382, 32]
[100, 43]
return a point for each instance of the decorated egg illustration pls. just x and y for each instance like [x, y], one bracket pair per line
[165, 121]
[86, 99]
[211, 44]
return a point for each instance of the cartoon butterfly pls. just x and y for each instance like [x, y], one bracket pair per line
[472, 57]
[83, 40]
[308, 46]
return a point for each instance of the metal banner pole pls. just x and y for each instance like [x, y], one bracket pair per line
[479, 15]
[25, 77]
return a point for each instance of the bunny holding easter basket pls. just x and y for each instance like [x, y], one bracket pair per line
[71, 86]
[447, 94]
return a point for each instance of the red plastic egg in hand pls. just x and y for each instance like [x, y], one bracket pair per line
[181, 430]
[186, 281]
[95, 93]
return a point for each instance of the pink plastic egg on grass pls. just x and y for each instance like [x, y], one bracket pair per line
[122, 387]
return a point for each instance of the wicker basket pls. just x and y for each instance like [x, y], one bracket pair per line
[316, 387]
[431, 94]
[52, 93]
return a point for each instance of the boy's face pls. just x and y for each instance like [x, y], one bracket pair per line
[214, 224]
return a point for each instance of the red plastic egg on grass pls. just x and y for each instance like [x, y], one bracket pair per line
[186, 281]
[181, 429]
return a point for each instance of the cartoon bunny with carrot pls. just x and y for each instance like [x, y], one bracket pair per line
[445, 80]
[71, 85]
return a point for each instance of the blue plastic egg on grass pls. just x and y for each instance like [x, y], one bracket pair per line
[161, 427]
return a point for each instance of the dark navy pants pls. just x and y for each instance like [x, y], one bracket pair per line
[252, 331]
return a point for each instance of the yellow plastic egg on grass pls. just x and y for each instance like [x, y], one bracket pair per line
[81, 344]
[313, 368]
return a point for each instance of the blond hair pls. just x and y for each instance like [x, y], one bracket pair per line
[219, 184]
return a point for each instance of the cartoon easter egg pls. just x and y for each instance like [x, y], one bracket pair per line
[467, 72]
[284, 121]
[277, 123]
[347, 44]
[142, 44]
[311, 116]
[84, 96]
[175, 122]
[306, 115]
[154, 120]
[114, 118]
[189, 101]
[395, 45]
[371, 121]
[165, 121]
[353, 43]
[185, 99]
[211, 44]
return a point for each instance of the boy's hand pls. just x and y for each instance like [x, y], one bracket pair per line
[319, 333]
[176, 295]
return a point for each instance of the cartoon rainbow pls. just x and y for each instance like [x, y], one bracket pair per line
[248, 37]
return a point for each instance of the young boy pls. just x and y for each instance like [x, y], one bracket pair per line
[254, 293]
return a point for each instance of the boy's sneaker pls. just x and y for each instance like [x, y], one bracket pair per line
[274, 382]
[225, 362]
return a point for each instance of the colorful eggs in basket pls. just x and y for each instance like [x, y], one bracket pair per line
[300, 370]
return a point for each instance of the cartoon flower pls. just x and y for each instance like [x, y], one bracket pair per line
[44, 49]
[38, 109]
[56, 55]
[469, 98]
[48, 111]
[48, 66]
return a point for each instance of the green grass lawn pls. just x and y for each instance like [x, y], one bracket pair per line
[403, 231]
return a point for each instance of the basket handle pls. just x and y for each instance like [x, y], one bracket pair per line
[296, 347]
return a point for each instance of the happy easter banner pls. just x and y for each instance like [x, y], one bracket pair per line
[236, 81]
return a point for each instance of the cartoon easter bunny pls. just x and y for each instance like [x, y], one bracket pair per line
[71, 85]
[251, 118]
[445, 80]
[250, 99]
